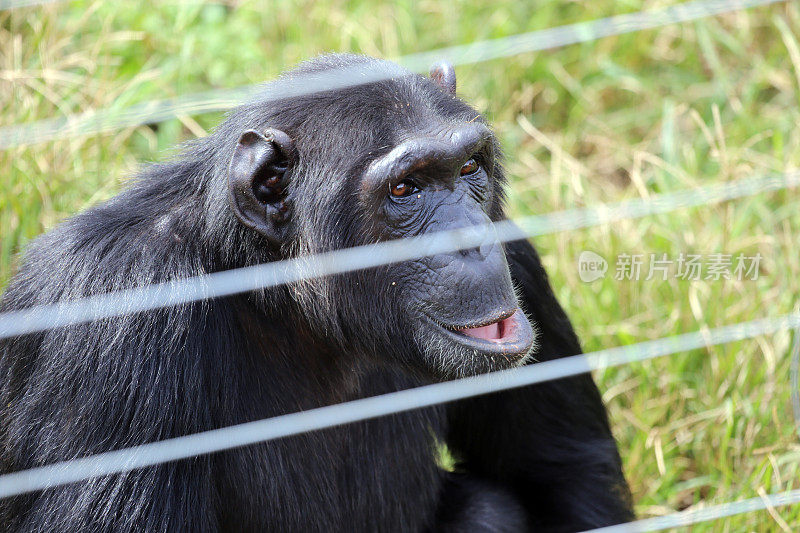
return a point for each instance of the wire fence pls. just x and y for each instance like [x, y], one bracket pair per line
[267, 275]
[688, 518]
[100, 121]
[289, 271]
[13, 4]
[396, 402]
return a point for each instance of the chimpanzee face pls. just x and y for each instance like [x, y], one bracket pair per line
[466, 317]
[435, 169]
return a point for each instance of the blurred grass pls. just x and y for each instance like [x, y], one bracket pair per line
[618, 118]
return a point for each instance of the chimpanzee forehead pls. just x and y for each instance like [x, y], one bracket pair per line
[356, 99]
[392, 111]
[373, 118]
[410, 102]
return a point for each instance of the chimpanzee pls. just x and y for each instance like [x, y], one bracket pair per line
[299, 170]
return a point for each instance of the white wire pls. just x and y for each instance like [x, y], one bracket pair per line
[396, 402]
[240, 280]
[92, 122]
[13, 4]
[687, 518]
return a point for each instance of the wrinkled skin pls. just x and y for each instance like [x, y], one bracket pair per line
[284, 177]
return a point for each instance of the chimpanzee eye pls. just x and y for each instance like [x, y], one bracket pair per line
[404, 188]
[470, 167]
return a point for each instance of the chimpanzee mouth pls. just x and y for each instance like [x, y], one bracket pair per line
[509, 334]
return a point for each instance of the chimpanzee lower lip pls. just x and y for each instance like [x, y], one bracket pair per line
[513, 335]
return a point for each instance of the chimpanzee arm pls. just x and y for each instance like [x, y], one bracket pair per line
[551, 442]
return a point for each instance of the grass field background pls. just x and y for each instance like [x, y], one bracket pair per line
[618, 118]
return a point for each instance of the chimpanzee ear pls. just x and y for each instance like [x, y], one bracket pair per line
[257, 178]
[444, 75]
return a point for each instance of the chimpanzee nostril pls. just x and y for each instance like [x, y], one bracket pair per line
[474, 252]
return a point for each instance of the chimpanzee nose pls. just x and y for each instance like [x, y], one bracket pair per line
[480, 234]
[478, 252]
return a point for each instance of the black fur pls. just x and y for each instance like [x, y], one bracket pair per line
[540, 457]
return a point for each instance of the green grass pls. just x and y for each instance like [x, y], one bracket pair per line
[618, 118]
